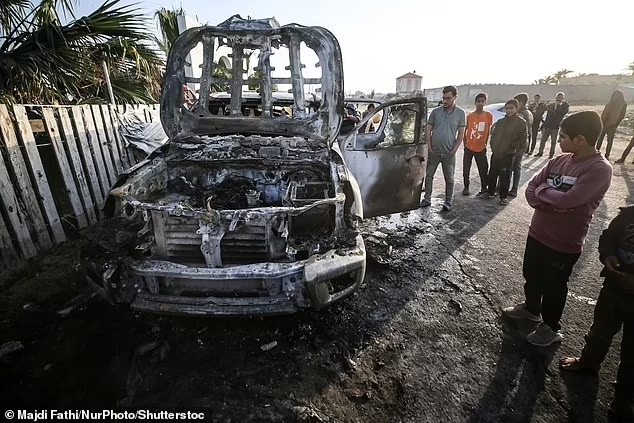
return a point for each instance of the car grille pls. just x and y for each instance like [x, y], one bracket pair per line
[247, 244]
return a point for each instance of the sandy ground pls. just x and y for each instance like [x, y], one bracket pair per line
[422, 341]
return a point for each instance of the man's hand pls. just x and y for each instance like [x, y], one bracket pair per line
[612, 264]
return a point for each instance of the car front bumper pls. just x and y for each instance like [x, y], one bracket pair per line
[250, 290]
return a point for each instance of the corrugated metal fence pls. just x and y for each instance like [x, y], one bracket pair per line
[57, 165]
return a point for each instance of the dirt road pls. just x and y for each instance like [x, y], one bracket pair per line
[422, 341]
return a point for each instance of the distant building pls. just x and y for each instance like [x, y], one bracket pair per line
[408, 83]
[596, 79]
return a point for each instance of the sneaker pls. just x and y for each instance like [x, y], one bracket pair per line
[513, 193]
[425, 203]
[544, 336]
[521, 312]
[446, 206]
[504, 201]
[538, 154]
[480, 194]
[466, 191]
[487, 196]
[550, 156]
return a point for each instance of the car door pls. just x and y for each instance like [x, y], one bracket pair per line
[389, 164]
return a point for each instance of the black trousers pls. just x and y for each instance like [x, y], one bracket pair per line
[628, 149]
[501, 166]
[613, 311]
[481, 163]
[546, 272]
[610, 131]
[516, 171]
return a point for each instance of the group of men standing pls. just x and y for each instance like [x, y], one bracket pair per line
[510, 139]
[564, 196]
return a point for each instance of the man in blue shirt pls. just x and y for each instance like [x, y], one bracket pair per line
[444, 133]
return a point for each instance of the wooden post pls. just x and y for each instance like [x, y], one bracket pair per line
[64, 166]
[75, 157]
[15, 214]
[24, 189]
[38, 171]
[104, 144]
[96, 150]
[112, 139]
[89, 159]
[8, 256]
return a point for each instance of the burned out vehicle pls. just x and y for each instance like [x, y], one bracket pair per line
[248, 211]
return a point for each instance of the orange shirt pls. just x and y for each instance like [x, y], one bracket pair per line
[477, 131]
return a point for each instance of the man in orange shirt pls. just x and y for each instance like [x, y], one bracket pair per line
[475, 141]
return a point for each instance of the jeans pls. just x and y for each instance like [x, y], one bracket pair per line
[481, 163]
[610, 131]
[613, 310]
[627, 149]
[448, 162]
[546, 272]
[516, 171]
[500, 168]
[554, 135]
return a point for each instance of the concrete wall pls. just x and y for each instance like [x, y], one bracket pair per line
[499, 93]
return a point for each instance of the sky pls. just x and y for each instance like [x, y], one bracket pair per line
[446, 42]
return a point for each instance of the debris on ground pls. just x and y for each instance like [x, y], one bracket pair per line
[8, 349]
[269, 346]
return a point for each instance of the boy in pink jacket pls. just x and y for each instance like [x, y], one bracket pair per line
[564, 194]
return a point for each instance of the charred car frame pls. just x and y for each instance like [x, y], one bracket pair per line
[246, 211]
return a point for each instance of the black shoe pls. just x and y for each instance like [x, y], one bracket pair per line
[550, 156]
[512, 193]
[619, 161]
[466, 191]
[539, 154]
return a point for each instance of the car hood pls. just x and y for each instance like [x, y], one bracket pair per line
[320, 119]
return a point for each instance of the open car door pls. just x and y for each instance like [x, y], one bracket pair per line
[389, 163]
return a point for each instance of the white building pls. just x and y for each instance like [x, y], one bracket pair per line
[410, 82]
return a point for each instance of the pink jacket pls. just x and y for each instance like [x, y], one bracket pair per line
[565, 194]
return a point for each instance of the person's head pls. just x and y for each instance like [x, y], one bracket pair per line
[537, 98]
[579, 132]
[480, 101]
[351, 109]
[560, 97]
[370, 107]
[449, 94]
[511, 107]
[522, 99]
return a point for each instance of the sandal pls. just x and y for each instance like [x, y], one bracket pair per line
[574, 364]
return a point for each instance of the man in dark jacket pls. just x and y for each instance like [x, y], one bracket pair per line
[509, 134]
[555, 113]
[537, 108]
[522, 99]
[615, 308]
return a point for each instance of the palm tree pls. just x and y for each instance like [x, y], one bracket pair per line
[43, 60]
[558, 76]
[168, 25]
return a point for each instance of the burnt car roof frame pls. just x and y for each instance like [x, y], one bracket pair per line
[240, 34]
